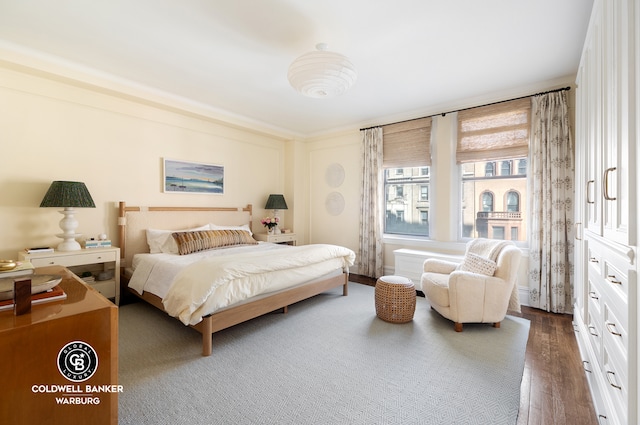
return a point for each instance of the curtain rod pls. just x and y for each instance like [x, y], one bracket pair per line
[472, 107]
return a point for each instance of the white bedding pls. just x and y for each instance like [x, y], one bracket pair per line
[198, 284]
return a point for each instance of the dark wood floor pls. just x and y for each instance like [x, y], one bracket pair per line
[554, 389]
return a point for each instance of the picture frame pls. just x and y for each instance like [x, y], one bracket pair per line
[192, 177]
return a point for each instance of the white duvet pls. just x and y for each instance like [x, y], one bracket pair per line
[209, 284]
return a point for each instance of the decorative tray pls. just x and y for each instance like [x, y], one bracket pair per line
[39, 283]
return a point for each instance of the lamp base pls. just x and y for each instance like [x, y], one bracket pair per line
[68, 225]
[69, 244]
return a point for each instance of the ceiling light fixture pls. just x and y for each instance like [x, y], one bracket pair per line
[321, 73]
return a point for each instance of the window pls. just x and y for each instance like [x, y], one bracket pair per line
[406, 163]
[506, 168]
[424, 218]
[424, 193]
[488, 135]
[407, 202]
[513, 201]
[522, 166]
[498, 232]
[487, 201]
[489, 169]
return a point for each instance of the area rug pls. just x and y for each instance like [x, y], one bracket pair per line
[329, 360]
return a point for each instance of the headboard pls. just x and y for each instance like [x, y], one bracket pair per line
[134, 221]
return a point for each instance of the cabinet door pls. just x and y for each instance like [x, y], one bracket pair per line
[592, 129]
[617, 125]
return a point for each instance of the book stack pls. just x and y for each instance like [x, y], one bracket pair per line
[38, 250]
[88, 279]
[22, 268]
[92, 243]
[54, 294]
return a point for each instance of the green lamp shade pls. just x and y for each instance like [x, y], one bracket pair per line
[276, 202]
[67, 194]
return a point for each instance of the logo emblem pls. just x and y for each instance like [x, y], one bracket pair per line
[77, 361]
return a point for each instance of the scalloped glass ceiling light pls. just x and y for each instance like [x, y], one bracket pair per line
[322, 74]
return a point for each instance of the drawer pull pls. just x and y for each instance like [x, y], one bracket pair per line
[589, 201]
[609, 374]
[611, 327]
[593, 260]
[612, 278]
[585, 363]
[601, 417]
[593, 295]
[605, 185]
[593, 333]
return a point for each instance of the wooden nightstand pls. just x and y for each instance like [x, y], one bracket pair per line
[34, 390]
[94, 260]
[283, 238]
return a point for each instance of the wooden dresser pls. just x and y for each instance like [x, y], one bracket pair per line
[80, 331]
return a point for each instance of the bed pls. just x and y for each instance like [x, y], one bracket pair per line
[212, 289]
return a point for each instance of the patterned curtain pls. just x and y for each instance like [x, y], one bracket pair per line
[551, 204]
[370, 262]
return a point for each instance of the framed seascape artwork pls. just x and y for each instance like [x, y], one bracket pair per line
[193, 177]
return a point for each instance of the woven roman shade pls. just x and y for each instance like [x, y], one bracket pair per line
[407, 144]
[493, 132]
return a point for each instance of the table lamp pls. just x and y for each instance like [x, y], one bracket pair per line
[68, 195]
[276, 202]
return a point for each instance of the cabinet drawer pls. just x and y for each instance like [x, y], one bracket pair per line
[74, 260]
[595, 338]
[595, 297]
[591, 369]
[616, 385]
[615, 272]
[615, 333]
[594, 257]
[281, 238]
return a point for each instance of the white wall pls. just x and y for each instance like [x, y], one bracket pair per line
[58, 130]
[342, 229]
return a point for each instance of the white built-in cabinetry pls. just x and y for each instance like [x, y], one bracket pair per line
[606, 295]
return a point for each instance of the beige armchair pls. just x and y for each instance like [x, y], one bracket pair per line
[479, 290]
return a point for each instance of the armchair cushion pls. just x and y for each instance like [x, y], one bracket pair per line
[439, 266]
[476, 264]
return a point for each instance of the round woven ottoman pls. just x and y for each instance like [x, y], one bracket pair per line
[395, 299]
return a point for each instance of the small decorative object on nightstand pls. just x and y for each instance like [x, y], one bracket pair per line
[102, 264]
[282, 238]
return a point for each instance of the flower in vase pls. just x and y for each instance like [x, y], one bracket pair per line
[270, 222]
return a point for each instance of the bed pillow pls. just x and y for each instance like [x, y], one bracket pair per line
[161, 240]
[190, 242]
[476, 264]
[244, 227]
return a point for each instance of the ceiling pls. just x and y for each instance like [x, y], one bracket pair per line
[231, 57]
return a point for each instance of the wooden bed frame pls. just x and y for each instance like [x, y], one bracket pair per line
[133, 222]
